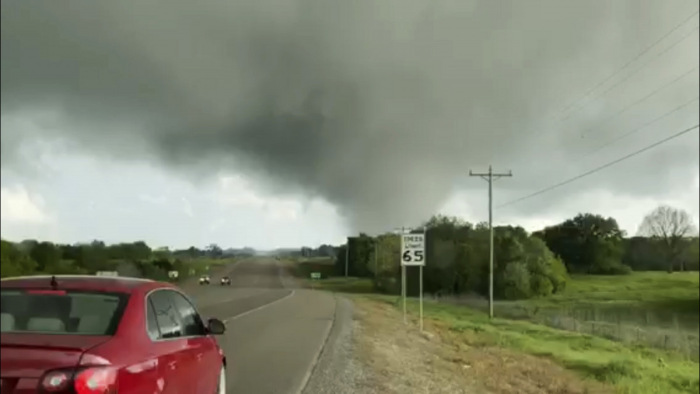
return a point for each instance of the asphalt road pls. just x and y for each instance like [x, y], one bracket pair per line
[275, 332]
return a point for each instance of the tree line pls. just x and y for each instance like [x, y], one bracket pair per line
[31, 257]
[525, 264]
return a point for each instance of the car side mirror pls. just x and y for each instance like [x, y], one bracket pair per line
[216, 326]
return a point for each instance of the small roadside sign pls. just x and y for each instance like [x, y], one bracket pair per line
[314, 277]
[413, 249]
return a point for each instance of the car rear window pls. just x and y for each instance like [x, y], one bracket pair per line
[61, 312]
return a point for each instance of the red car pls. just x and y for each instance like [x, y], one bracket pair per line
[105, 335]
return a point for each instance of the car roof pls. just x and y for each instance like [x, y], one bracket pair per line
[118, 284]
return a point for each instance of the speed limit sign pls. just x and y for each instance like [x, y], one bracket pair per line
[413, 249]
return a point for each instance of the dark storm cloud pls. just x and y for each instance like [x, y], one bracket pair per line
[378, 106]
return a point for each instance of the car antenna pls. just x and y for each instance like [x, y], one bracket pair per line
[54, 282]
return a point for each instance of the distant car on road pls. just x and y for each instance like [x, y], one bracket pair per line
[204, 280]
[226, 281]
[99, 334]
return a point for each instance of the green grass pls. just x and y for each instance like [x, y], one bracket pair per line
[344, 285]
[629, 368]
[677, 292]
[653, 308]
[637, 333]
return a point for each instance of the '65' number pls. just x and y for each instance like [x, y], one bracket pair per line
[412, 255]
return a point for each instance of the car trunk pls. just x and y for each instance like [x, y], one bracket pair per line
[26, 357]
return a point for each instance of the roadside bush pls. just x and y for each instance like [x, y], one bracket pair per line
[152, 271]
[548, 273]
[387, 284]
[540, 286]
[66, 267]
[516, 281]
[614, 269]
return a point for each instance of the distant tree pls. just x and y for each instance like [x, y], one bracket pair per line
[14, 261]
[132, 251]
[692, 256]
[644, 254]
[672, 227]
[193, 252]
[93, 257]
[384, 266]
[587, 243]
[26, 245]
[340, 261]
[360, 255]
[70, 252]
[523, 266]
[214, 251]
[46, 255]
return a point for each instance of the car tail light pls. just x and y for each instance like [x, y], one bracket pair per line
[102, 380]
[56, 381]
[93, 380]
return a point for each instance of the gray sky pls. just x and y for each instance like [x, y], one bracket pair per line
[282, 123]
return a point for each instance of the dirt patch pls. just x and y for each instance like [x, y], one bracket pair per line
[403, 360]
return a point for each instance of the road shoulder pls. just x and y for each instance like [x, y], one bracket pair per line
[337, 370]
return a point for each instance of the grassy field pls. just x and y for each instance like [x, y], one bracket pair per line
[677, 293]
[635, 334]
[627, 368]
[651, 308]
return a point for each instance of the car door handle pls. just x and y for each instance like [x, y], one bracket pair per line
[172, 365]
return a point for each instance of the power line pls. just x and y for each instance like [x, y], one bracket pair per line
[651, 94]
[604, 166]
[640, 68]
[637, 57]
[637, 129]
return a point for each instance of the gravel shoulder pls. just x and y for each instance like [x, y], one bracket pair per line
[338, 370]
[370, 350]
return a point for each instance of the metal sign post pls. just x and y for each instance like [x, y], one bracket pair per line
[413, 254]
[420, 297]
[403, 291]
[421, 282]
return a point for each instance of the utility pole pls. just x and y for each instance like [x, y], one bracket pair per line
[490, 177]
[347, 256]
[376, 249]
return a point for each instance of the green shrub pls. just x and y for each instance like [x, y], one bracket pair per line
[540, 286]
[516, 281]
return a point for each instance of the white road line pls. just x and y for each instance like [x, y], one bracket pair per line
[258, 308]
